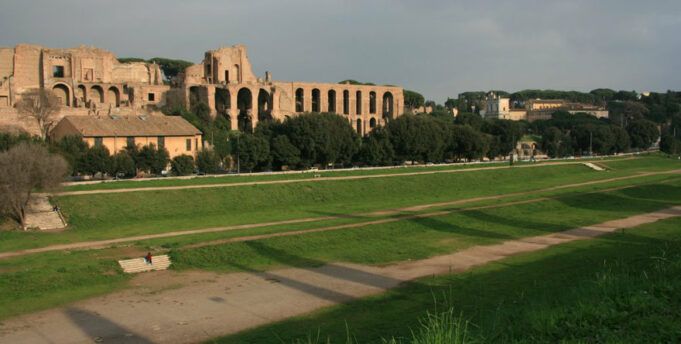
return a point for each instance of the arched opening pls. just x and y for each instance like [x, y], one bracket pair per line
[97, 94]
[372, 102]
[197, 94]
[237, 73]
[332, 101]
[372, 123]
[300, 101]
[264, 106]
[113, 96]
[346, 102]
[222, 101]
[358, 102]
[359, 126]
[81, 95]
[315, 100]
[388, 106]
[62, 91]
[244, 101]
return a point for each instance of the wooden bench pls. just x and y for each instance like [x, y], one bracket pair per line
[135, 265]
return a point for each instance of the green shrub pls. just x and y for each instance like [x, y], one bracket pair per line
[182, 165]
[207, 161]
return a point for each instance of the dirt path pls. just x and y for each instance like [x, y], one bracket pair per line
[168, 307]
[100, 244]
[321, 179]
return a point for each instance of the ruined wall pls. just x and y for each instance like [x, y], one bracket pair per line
[6, 63]
[27, 67]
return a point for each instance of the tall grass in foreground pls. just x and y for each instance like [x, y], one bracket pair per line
[434, 328]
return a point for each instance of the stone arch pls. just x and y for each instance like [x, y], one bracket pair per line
[300, 100]
[372, 102]
[113, 96]
[316, 100]
[346, 102]
[359, 126]
[372, 123]
[81, 95]
[388, 105]
[332, 101]
[244, 102]
[222, 101]
[97, 94]
[264, 105]
[62, 91]
[358, 102]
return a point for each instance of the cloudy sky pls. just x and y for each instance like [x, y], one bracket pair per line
[438, 47]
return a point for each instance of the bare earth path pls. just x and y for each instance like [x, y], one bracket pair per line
[305, 180]
[168, 307]
[99, 244]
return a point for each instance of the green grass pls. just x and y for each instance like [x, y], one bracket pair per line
[45, 280]
[424, 237]
[621, 288]
[233, 178]
[52, 279]
[103, 216]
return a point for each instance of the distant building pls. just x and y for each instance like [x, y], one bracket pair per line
[535, 109]
[116, 133]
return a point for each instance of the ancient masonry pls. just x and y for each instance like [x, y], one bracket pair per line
[92, 82]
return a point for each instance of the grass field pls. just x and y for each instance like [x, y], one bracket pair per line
[50, 279]
[621, 288]
[102, 216]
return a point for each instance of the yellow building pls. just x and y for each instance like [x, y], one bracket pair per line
[173, 133]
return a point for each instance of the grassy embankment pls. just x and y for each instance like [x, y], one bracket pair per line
[621, 288]
[104, 216]
[45, 280]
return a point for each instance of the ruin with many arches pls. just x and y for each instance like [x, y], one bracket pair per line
[92, 81]
[226, 83]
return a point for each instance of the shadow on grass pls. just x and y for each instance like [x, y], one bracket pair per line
[547, 296]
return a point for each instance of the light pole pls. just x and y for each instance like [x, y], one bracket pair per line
[591, 153]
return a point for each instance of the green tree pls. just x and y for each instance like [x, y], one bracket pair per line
[254, 151]
[207, 161]
[284, 153]
[670, 145]
[413, 99]
[72, 148]
[555, 143]
[467, 143]
[151, 159]
[376, 148]
[122, 165]
[622, 142]
[95, 160]
[418, 138]
[183, 165]
[643, 133]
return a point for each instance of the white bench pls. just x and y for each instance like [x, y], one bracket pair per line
[135, 265]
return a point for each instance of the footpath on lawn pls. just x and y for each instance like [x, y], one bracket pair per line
[395, 215]
[296, 179]
[196, 306]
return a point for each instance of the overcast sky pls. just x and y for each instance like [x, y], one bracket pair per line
[437, 47]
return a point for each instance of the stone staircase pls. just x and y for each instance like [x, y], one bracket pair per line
[135, 265]
[41, 215]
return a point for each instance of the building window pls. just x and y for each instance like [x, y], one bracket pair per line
[189, 145]
[130, 140]
[58, 71]
[151, 97]
[98, 141]
[161, 142]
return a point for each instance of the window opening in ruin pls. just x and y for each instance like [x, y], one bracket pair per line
[332, 101]
[58, 71]
[151, 97]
